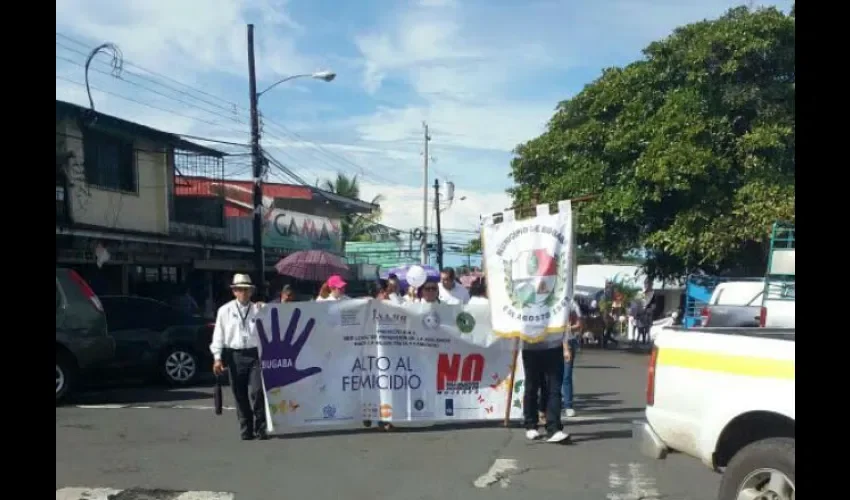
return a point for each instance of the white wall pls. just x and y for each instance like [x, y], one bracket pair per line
[146, 210]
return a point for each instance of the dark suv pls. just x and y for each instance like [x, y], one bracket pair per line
[82, 341]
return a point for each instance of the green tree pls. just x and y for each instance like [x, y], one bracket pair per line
[355, 227]
[473, 247]
[690, 150]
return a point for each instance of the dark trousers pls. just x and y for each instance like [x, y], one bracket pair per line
[543, 367]
[246, 382]
[542, 397]
[642, 334]
[567, 385]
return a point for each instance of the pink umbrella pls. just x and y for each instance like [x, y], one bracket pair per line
[312, 265]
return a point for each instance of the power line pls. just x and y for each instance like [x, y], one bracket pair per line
[337, 159]
[149, 71]
[328, 154]
[58, 77]
[153, 91]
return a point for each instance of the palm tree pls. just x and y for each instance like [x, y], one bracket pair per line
[354, 226]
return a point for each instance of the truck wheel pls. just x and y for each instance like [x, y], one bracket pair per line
[64, 376]
[764, 469]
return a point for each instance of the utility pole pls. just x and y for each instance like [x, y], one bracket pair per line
[425, 199]
[437, 222]
[257, 168]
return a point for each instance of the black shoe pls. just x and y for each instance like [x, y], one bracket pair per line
[262, 435]
[247, 437]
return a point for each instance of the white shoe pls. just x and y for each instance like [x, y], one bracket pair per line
[558, 437]
[569, 413]
[532, 434]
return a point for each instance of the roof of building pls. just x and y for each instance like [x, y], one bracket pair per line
[69, 110]
[237, 191]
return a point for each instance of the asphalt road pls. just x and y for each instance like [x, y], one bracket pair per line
[134, 440]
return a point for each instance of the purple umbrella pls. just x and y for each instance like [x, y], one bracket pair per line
[431, 273]
[312, 265]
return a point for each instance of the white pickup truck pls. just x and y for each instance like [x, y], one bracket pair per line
[725, 396]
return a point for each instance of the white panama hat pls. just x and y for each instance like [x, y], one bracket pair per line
[241, 281]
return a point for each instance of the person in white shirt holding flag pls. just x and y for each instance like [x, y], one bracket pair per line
[235, 345]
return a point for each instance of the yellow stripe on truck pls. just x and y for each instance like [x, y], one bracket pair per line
[747, 366]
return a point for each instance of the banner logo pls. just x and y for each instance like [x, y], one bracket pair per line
[465, 322]
[456, 373]
[431, 320]
[280, 354]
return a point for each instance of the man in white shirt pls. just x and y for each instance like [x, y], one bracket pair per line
[235, 345]
[450, 291]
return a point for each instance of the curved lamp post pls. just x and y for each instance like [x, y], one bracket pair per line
[326, 76]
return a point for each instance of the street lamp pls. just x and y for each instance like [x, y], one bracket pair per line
[257, 155]
[326, 76]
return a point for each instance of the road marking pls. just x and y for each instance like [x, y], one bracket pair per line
[105, 407]
[499, 472]
[85, 493]
[637, 485]
[152, 407]
[138, 494]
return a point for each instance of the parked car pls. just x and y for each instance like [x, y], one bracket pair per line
[82, 340]
[725, 396]
[740, 304]
[155, 339]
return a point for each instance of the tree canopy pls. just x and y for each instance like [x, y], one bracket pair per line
[355, 227]
[690, 150]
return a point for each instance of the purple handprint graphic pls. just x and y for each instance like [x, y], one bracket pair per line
[280, 355]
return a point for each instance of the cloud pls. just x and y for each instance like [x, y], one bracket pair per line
[403, 206]
[497, 127]
[486, 76]
[191, 38]
[489, 78]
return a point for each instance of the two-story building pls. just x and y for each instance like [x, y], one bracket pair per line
[145, 212]
[117, 219]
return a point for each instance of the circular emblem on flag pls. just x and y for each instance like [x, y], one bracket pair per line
[535, 278]
[465, 322]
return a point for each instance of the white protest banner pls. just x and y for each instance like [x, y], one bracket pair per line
[327, 363]
[529, 265]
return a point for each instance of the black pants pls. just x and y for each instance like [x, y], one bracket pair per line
[543, 367]
[246, 382]
[542, 397]
[608, 336]
[642, 334]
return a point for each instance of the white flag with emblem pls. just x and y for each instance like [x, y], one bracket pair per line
[530, 272]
